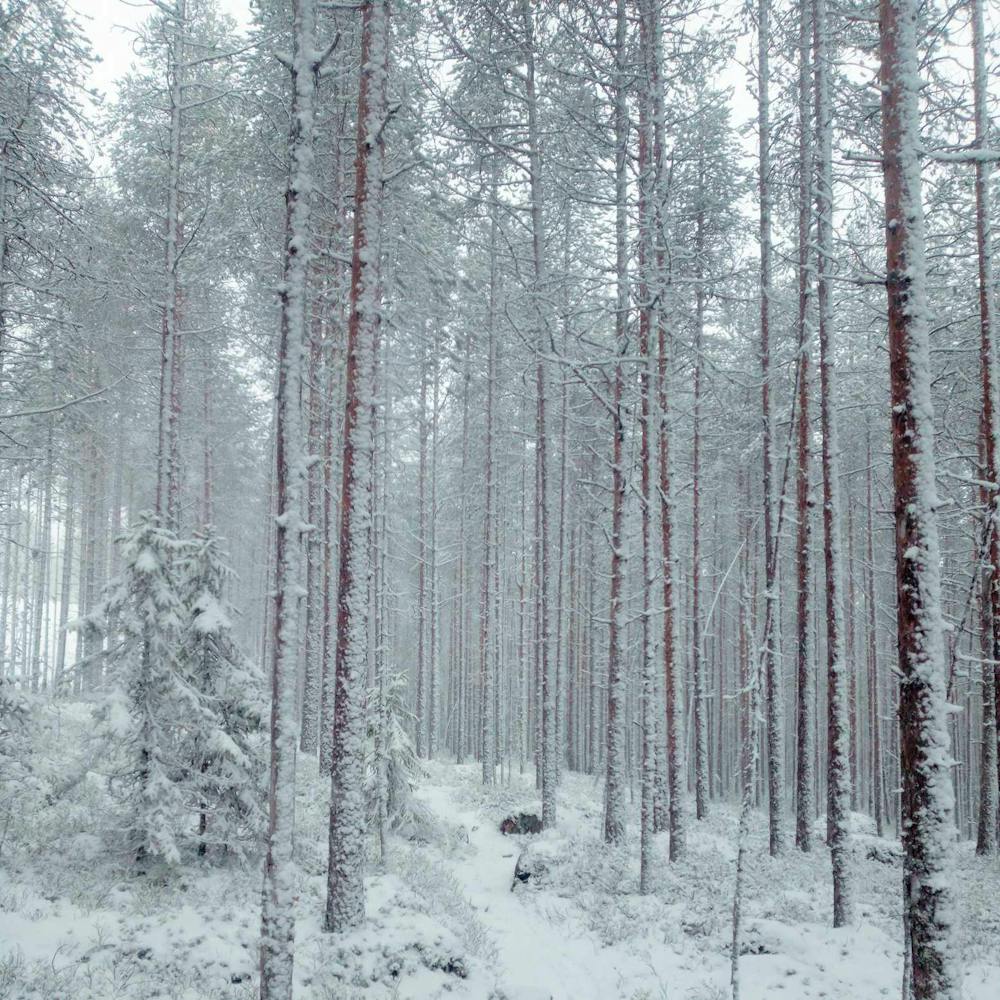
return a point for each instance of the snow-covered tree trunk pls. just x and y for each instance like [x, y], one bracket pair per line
[432, 595]
[69, 536]
[772, 667]
[422, 613]
[332, 431]
[649, 424]
[461, 567]
[750, 758]
[616, 780]
[925, 756]
[838, 718]
[313, 653]
[701, 767]
[168, 453]
[42, 563]
[345, 902]
[991, 404]
[617, 737]
[549, 714]
[487, 625]
[278, 910]
[673, 675]
[874, 684]
[805, 709]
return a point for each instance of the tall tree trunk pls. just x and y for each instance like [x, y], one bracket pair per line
[874, 692]
[647, 376]
[421, 699]
[345, 903]
[772, 669]
[69, 534]
[617, 736]
[314, 547]
[838, 718]
[927, 798]
[673, 677]
[168, 452]
[42, 562]
[487, 626]
[701, 778]
[336, 348]
[549, 720]
[279, 900]
[805, 778]
[990, 378]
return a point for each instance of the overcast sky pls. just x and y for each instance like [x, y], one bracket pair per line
[111, 25]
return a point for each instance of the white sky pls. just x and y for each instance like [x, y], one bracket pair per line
[111, 25]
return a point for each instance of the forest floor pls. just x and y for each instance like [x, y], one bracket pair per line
[443, 920]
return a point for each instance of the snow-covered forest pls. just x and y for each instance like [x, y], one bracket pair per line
[499, 499]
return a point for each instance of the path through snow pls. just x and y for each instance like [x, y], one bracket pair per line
[544, 951]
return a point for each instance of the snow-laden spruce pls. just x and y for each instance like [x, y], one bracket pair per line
[225, 745]
[177, 720]
[143, 717]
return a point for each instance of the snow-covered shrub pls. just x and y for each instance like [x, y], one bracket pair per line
[224, 744]
[392, 766]
[439, 893]
[22, 787]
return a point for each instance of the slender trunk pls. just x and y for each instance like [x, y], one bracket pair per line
[432, 597]
[751, 762]
[647, 375]
[69, 535]
[614, 808]
[617, 736]
[461, 571]
[311, 692]
[874, 697]
[487, 626]
[838, 718]
[805, 708]
[168, 452]
[775, 743]
[333, 426]
[990, 373]
[549, 720]
[673, 678]
[701, 779]
[421, 699]
[42, 563]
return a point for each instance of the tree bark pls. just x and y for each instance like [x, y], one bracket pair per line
[278, 910]
[345, 903]
[805, 708]
[772, 671]
[838, 718]
[925, 756]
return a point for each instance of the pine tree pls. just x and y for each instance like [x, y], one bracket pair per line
[224, 753]
[145, 712]
[925, 753]
[392, 764]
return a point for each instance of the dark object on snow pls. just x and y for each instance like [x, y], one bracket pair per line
[884, 852]
[530, 865]
[521, 823]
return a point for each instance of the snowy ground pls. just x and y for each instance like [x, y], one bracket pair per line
[443, 921]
